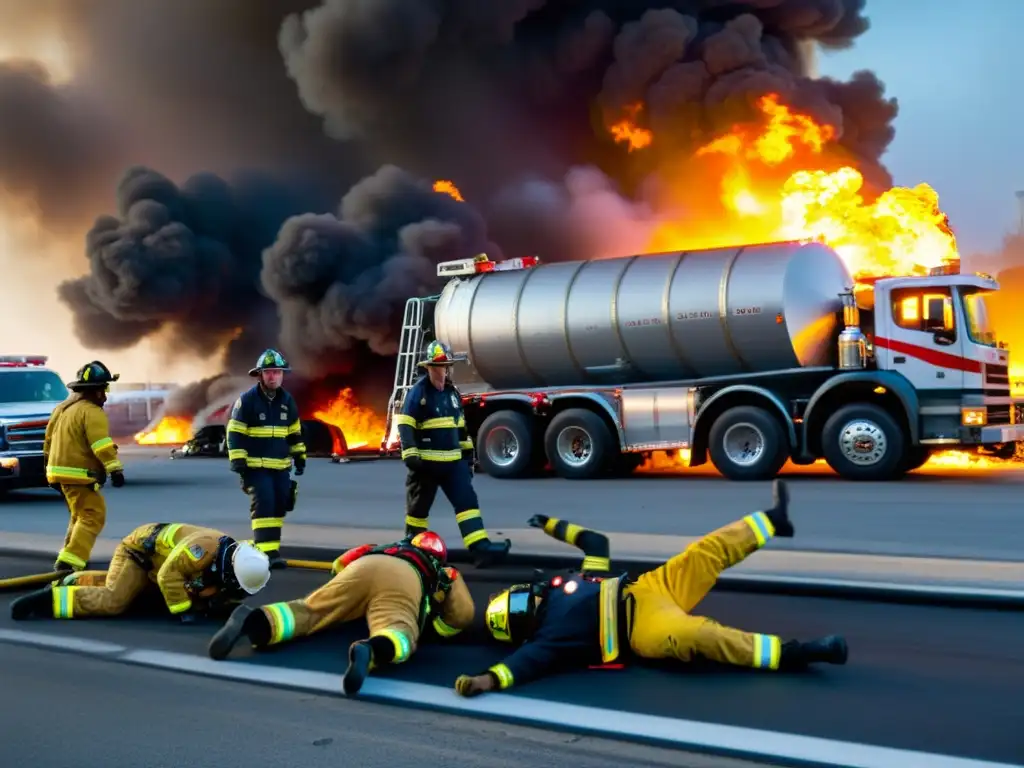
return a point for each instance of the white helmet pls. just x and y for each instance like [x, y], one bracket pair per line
[251, 568]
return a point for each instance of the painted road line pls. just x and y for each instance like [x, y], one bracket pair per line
[661, 731]
[59, 642]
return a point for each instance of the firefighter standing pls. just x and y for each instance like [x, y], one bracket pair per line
[583, 619]
[438, 452]
[194, 568]
[264, 441]
[79, 454]
[403, 589]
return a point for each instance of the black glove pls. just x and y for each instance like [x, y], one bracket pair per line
[538, 521]
[414, 463]
[244, 481]
[472, 468]
[117, 478]
[56, 487]
[187, 618]
[300, 466]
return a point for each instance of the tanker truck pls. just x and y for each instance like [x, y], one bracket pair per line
[751, 356]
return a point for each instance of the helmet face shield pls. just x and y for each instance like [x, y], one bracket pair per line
[510, 614]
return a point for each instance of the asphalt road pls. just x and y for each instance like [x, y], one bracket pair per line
[975, 515]
[159, 719]
[929, 679]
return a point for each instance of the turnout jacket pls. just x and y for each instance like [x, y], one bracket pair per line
[584, 618]
[432, 425]
[77, 447]
[265, 433]
[447, 606]
[179, 559]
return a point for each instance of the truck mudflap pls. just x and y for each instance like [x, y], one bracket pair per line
[1005, 433]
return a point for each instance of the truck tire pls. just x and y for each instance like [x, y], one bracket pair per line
[505, 445]
[863, 442]
[579, 445]
[748, 443]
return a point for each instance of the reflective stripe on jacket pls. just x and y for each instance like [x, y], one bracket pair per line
[77, 446]
[264, 433]
[432, 425]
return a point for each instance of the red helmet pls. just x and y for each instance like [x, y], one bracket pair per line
[430, 542]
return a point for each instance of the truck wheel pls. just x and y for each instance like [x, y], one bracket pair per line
[505, 445]
[579, 445]
[863, 442]
[748, 443]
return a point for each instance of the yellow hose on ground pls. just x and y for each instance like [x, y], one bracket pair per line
[32, 580]
[312, 565]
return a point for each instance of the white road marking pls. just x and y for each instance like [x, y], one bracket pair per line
[663, 731]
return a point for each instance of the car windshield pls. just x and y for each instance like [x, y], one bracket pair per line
[31, 387]
[979, 326]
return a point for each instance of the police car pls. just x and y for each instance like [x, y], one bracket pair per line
[29, 391]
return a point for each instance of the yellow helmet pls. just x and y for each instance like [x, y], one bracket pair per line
[510, 614]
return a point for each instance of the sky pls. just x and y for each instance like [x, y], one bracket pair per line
[955, 66]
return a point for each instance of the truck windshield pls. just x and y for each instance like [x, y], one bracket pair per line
[31, 387]
[979, 327]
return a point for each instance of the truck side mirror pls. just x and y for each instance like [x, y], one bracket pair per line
[944, 337]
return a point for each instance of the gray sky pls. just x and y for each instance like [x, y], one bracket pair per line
[956, 68]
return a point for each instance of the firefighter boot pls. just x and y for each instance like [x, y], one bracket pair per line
[277, 561]
[824, 650]
[244, 620]
[360, 659]
[779, 513]
[489, 552]
[38, 603]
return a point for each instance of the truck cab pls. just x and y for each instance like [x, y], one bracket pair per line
[935, 331]
[29, 391]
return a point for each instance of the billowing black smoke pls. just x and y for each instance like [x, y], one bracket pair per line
[185, 261]
[512, 100]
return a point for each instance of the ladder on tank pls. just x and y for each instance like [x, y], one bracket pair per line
[410, 348]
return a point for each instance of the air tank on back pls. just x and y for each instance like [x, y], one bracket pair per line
[660, 317]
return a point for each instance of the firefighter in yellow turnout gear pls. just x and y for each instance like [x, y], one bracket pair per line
[438, 452]
[79, 455]
[595, 618]
[403, 589]
[194, 569]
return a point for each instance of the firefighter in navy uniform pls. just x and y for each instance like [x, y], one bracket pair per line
[264, 442]
[593, 618]
[403, 589]
[438, 451]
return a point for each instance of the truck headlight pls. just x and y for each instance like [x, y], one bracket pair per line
[974, 417]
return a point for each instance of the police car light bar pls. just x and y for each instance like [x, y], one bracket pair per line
[481, 264]
[21, 361]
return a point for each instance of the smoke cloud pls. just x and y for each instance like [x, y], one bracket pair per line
[292, 103]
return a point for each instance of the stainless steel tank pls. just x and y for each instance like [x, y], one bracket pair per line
[648, 318]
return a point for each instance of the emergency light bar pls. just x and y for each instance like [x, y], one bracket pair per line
[481, 264]
[21, 361]
[947, 268]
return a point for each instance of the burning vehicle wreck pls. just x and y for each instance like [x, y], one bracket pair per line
[322, 441]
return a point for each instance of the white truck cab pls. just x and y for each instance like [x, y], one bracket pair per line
[29, 391]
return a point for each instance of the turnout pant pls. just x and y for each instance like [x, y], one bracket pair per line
[98, 593]
[456, 482]
[269, 494]
[384, 589]
[662, 625]
[88, 515]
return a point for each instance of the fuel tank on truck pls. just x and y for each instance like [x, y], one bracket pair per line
[659, 317]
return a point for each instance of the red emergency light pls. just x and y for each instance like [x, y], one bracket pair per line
[22, 361]
[479, 265]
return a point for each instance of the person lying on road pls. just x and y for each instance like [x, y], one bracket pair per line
[592, 618]
[194, 568]
[403, 589]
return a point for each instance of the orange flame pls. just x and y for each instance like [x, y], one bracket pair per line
[783, 178]
[170, 430]
[360, 425]
[627, 131]
[448, 187]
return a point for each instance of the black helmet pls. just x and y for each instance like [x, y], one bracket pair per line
[511, 614]
[94, 375]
